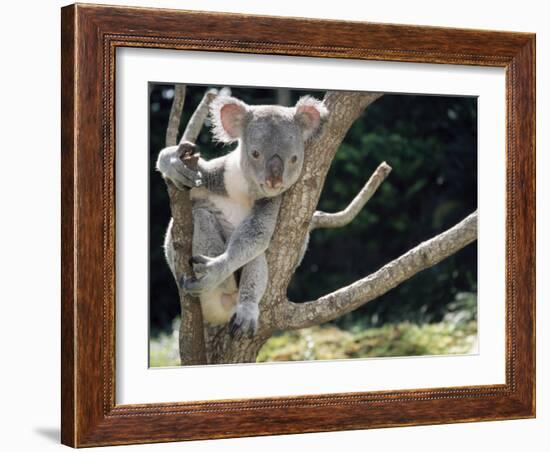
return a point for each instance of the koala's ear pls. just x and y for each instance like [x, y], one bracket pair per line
[310, 114]
[229, 117]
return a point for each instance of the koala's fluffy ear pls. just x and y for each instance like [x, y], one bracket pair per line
[310, 114]
[229, 117]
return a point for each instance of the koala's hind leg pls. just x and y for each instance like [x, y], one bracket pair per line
[218, 304]
[214, 246]
[252, 287]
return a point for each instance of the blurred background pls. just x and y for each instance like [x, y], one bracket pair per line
[431, 144]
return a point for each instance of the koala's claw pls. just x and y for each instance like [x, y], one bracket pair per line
[191, 285]
[233, 327]
[209, 273]
[200, 263]
[244, 321]
[186, 176]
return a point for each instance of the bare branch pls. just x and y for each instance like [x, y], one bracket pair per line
[192, 347]
[196, 122]
[349, 298]
[175, 115]
[191, 337]
[336, 220]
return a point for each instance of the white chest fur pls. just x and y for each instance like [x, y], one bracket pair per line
[236, 206]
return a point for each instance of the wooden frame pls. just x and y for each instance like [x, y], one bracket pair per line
[90, 35]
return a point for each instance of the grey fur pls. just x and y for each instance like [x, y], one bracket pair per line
[236, 207]
[209, 240]
[213, 174]
[252, 286]
[209, 175]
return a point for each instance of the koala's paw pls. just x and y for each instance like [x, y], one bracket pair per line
[245, 320]
[194, 286]
[202, 264]
[209, 273]
[183, 176]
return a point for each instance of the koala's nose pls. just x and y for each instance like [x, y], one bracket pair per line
[274, 172]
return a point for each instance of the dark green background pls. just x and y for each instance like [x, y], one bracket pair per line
[431, 144]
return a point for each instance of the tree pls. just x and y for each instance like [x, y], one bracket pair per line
[200, 343]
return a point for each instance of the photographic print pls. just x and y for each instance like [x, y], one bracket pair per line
[385, 265]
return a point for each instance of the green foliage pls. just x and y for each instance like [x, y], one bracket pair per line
[455, 334]
[401, 339]
[164, 347]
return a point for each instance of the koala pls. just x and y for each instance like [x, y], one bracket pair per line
[236, 200]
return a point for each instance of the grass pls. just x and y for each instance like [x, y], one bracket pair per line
[456, 334]
[163, 348]
[402, 339]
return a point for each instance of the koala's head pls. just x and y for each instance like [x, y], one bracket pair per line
[271, 138]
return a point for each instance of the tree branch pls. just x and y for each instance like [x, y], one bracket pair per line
[198, 118]
[336, 220]
[175, 115]
[349, 298]
[191, 334]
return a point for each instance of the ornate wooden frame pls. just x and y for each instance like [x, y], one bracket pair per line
[90, 35]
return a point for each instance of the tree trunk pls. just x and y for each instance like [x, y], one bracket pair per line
[222, 349]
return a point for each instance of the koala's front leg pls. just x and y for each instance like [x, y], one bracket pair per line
[250, 239]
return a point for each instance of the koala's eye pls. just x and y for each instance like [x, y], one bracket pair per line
[255, 154]
[294, 159]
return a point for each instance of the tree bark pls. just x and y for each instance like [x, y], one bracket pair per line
[337, 220]
[191, 337]
[296, 218]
